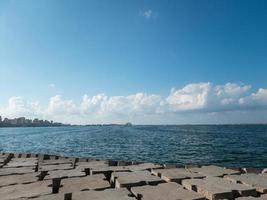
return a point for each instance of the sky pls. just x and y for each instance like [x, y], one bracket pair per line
[145, 62]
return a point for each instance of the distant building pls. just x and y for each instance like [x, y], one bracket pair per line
[23, 122]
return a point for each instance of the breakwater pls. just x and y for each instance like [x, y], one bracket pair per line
[47, 177]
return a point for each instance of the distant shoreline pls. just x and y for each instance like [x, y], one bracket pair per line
[24, 122]
[123, 125]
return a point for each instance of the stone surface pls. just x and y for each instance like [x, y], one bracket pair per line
[213, 171]
[176, 174]
[55, 167]
[14, 171]
[254, 180]
[166, 191]
[4, 158]
[108, 194]
[110, 169]
[143, 166]
[56, 162]
[214, 188]
[22, 162]
[252, 198]
[48, 197]
[95, 182]
[94, 165]
[25, 190]
[137, 178]
[19, 181]
[64, 174]
[16, 179]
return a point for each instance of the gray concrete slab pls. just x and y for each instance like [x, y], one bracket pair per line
[214, 188]
[108, 194]
[166, 191]
[94, 182]
[56, 162]
[17, 155]
[131, 179]
[14, 171]
[4, 156]
[110, 169]
[252, 198]
[175, 174]
[144, 166]
[213, 171]
[25, 190]
[4, 159]
[64, 174]
[25, 155]
[55, 167]
[47, 197]
[254, 180]
[22, 162]
[92, 165]
[17, 179]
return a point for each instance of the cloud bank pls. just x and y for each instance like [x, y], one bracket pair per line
[194, 103]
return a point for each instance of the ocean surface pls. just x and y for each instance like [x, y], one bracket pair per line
[225, 145]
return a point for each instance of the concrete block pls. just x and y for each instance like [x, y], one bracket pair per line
[108, 194]
[18, 179]
[48, 197]
[213, 171]
[95, 182]
[165, 191]
[14, 171]
[25, 190]
[56, 162]
[109, 169]
[175, 174]
[92, 165]
[214, 188]
[144, 166]
[55, 167]
[22, 162]
[131, 179]
[253, 180]
[64, 174]
[252, 198]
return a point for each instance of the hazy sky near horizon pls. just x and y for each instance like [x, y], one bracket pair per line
[149, 62]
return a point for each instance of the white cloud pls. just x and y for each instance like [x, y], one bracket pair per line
[231, 90]
[148, 14]
[191, 97]
[258, 99]
[17, 106]
[200, 101]
[102, 105]
[59, 106]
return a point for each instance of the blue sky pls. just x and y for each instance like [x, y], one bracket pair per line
[123, 48]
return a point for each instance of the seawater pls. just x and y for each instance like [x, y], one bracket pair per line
[226, 145]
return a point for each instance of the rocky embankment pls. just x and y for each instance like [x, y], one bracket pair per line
[45, 177]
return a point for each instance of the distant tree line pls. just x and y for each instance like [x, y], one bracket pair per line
[23, 122]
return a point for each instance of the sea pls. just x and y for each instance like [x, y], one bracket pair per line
[223, 145]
